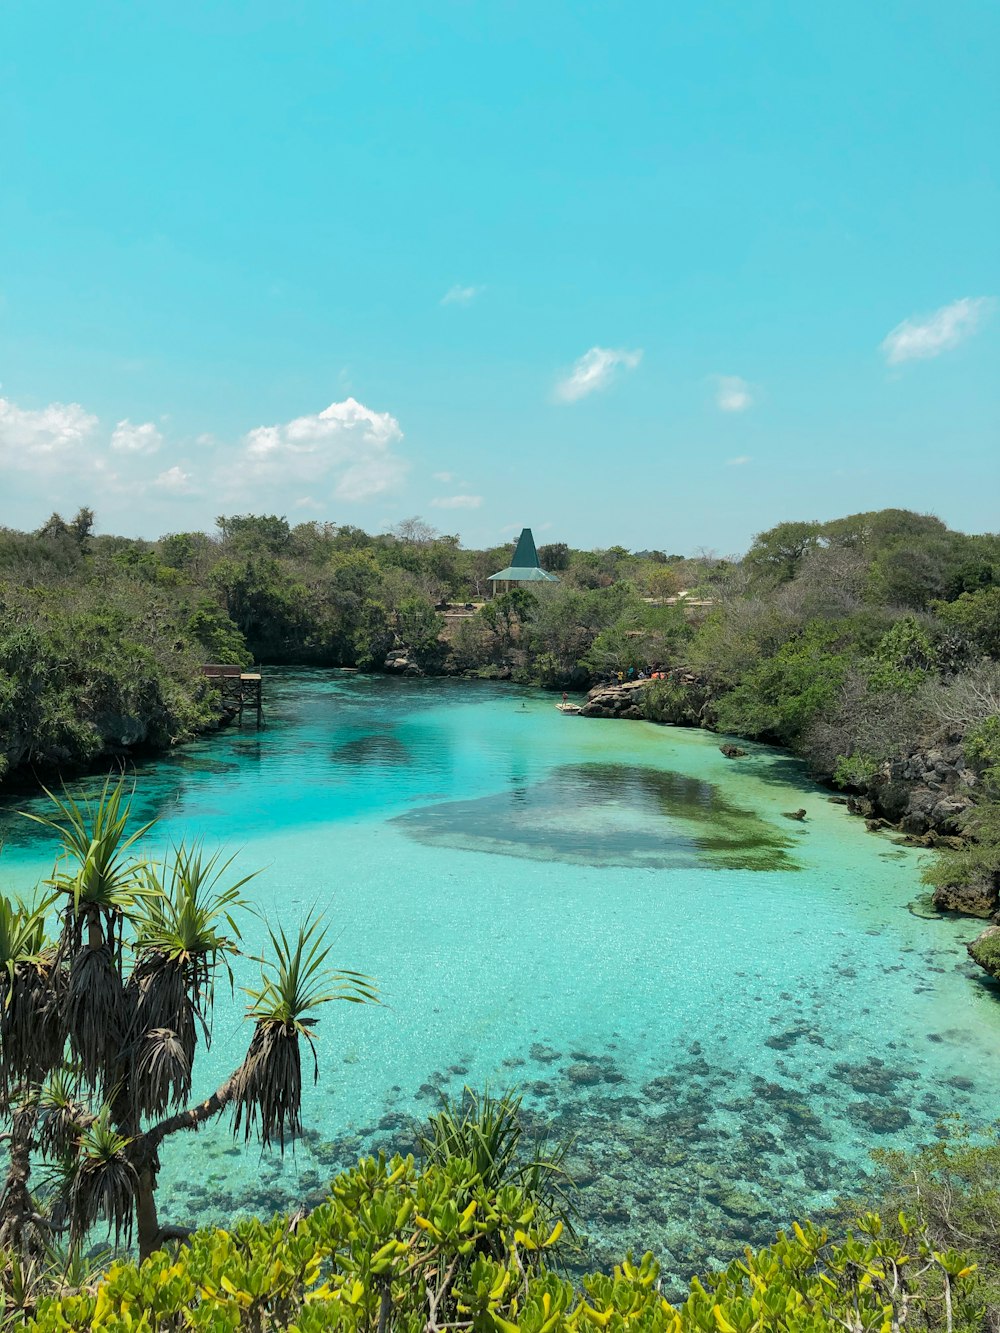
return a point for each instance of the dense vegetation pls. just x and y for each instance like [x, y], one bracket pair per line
[478, 1235]
[403, 1250]
[854, 642]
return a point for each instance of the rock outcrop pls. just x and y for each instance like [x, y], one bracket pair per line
[985, 950]
[925, 793]
[621, 701]
[977, 898]
[400, 663]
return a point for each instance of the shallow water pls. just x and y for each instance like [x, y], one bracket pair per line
[727, 1008]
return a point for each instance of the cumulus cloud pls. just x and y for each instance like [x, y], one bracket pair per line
[459, 295]
[595, 370]
[457, 502]
[925, 336]
[347, 443]
[444, 476]
[732, 394]
[129, 439]
[740, 461]
[175, 481]
[37, 438]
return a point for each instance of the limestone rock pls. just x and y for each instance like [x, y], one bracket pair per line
[976, 899]
[985, 950]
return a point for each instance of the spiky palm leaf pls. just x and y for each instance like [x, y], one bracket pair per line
[293, 986]
[487, 1131]
[180, 938]
[94, 870]
[183, 912]
[62, 1117]
[95, 1012]
[104, 1181]
[31, 986]
[298, 979]
[162, 1072]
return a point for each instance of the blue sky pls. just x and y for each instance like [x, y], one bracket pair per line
[647, 273]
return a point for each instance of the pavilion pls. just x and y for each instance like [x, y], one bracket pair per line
[524, 568]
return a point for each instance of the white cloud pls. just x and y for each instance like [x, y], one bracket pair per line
[144, 439]
[37, 439]
[739, 462]
[175, 481]
[459, 295]
[929, 335]
[457, 502]
[347, 443]
[732, 394]
[444, 476]
[595, 370]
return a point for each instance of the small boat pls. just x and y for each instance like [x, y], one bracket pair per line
[568, 708]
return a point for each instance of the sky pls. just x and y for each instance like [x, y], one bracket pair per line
[634, 272]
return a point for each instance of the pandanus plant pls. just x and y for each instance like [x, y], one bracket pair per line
[101, 1022]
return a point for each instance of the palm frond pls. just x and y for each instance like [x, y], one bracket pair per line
[62, 1117]
[269, 1085]
[298, 980]
[184, 911]
[31, 988]
[94, 870]
[104, 1182]
[296, 983]
[95, 1012]
[22, 932]
[162, 1074]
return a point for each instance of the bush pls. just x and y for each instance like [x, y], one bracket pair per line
[406, 1251]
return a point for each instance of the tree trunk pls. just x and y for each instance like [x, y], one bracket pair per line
[16, 1207]
[146, 1221]
[145, 1156]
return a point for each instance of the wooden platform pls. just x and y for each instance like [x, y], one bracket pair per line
[239, 689]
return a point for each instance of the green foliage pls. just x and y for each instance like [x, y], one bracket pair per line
[903, 658]
[776, 554]
[954, 1185]
[985, 950]
[96, 665]
[220, 640]
[976, 614]
[488, 1132]
[780, 696]
[982, 748]
[99, 1027]
[418, 624]
[978, 860]
[402, 1250]
[854, 770]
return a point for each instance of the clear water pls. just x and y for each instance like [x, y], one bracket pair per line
[727, 1008]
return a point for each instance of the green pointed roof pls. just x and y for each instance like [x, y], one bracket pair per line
[525, 555]
[524, 568]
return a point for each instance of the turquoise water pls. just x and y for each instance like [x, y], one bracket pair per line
[727, 1008]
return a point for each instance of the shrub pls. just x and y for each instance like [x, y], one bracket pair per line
[405, 1251]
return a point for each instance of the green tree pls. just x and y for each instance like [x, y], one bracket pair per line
[101, 1020]
[775, 555]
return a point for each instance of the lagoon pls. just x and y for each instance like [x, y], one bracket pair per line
[727, 1009]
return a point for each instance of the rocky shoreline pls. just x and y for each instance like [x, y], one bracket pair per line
[922, 795]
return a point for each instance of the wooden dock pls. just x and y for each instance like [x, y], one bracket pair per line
[239, 689]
